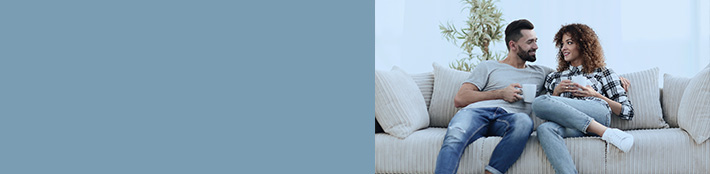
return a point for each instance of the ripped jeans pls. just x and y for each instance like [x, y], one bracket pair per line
[469, 124]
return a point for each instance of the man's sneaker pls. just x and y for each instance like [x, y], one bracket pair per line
[618, 138]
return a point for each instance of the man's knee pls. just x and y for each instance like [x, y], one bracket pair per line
[522, 122]
[454, 135]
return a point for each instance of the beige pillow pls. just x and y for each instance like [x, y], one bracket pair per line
[447, 83]
[425, 82]
[645, 98]
[399, 105]
[673, 88]
[694, 109]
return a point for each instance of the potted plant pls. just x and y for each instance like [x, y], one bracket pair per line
[484, 25]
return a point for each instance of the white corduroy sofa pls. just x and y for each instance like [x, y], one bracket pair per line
[670, 127]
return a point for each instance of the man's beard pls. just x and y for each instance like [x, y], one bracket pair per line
[525, 54]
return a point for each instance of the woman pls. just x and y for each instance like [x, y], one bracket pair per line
[575, 110]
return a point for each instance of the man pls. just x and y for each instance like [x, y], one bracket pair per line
[493, 104]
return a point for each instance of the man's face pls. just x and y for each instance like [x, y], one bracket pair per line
[527, 45]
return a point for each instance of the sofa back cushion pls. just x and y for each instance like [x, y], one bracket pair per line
[447, 83]
[645, 98]
[673, 88]
[399, 105]
[425, 82]
[694, 109]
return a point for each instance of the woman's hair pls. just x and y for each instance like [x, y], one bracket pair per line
[587, 43]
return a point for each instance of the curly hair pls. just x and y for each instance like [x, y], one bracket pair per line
[587, 43]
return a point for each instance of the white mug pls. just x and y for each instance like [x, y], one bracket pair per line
[529, 92]
[581, 80]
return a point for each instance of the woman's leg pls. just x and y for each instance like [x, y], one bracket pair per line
[583, 115]
[551, 136]
[571, 113]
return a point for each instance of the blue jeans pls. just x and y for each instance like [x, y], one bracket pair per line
[469, 124]
[566, 118]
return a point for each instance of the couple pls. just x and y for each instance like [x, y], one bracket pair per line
[493, 105]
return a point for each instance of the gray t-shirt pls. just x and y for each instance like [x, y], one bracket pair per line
[493, 75]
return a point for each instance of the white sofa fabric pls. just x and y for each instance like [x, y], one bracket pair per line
[657, 148]
[668, 150]
[399, 105]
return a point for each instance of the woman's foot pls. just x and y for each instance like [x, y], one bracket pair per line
[618, 138]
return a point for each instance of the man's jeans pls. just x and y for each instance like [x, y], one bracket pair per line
[566, 118]
[470, 124]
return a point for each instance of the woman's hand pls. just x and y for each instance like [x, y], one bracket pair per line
[564, 86]
[587, 91]
[625, 84]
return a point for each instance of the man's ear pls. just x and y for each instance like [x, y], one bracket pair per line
[511, 45]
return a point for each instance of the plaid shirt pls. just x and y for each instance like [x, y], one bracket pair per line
[603, 80]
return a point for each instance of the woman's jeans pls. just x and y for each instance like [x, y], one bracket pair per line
[566, 118]
[469, 124]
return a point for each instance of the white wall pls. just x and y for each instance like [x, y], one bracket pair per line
[635, 35]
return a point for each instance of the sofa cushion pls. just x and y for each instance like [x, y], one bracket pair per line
[587, 154]
[399, 105]
[418, 153]
[645, 98]
[425, 82]
[447, 83]
[659, 151]
[673, 88]
[415, 154]
[694, 109]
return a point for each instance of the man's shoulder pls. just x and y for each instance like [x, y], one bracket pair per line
[542, 68]
[489, 63]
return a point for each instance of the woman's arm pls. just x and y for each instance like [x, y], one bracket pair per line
[613, 93]
[615, 106]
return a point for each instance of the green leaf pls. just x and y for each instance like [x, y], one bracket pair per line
[483, 27]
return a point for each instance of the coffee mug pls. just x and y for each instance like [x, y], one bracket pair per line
[581, 80]
[529, 92]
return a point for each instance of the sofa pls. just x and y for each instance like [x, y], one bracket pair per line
[670, 127]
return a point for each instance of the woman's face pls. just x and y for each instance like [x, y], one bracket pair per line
[570, 50]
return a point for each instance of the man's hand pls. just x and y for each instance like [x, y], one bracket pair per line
[625, 83]
[511, 93]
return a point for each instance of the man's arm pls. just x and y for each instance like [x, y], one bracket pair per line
[469, 93]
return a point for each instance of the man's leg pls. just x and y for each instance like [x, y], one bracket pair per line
[550, 135]
[466, 126]
[515, 129]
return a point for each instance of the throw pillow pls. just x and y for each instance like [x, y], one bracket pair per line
[447, 83]
[399, 105]
[425, 82]
[673, 88]
[645, 98]
[694, 109]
